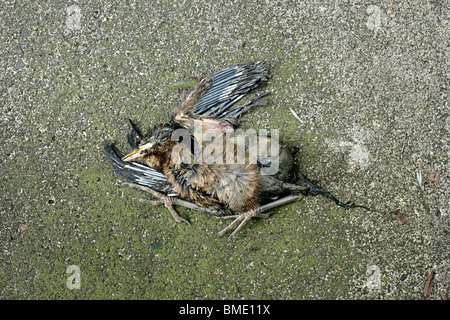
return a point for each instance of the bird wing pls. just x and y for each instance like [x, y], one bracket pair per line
[138, 172]
[211, 102]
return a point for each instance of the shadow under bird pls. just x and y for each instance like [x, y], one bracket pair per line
[170, 160]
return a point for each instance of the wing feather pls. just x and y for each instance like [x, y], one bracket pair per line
[214, 98]
[138, 172]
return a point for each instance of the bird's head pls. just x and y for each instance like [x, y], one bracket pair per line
[155, 142]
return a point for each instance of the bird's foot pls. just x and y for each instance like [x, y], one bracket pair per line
[243, 218]
[168, 202]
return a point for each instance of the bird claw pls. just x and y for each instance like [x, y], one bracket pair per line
[239, 218]
[257, 212]
[168, 203]
[242, 219]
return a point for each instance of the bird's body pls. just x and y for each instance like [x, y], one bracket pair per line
[217, 183]
[200, 156]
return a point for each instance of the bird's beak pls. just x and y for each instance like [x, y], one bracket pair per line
[135, 155]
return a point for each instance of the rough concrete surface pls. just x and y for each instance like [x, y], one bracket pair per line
[367, 79]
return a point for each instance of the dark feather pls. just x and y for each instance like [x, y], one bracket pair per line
[134, 136]
[229, 86]
[214, 97]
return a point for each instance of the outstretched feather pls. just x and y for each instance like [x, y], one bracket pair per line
[212, 100]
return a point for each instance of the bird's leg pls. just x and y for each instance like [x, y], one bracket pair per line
[257, 212]
[152, 202]
[169, 202]
[234, 216]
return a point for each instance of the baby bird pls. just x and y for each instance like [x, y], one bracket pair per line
[200, 159]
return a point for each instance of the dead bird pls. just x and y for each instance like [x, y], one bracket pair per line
[200, 159]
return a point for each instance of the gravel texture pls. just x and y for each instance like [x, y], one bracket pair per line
[369, 83]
